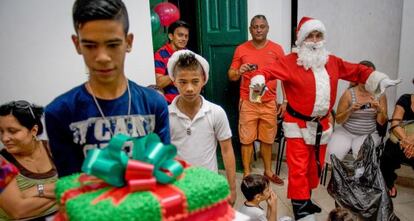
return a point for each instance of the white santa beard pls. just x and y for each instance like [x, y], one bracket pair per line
[312, 55]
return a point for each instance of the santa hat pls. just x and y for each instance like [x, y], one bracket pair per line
[174, 59]
[306, 26]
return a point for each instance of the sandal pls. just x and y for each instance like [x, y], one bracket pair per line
[275, 179]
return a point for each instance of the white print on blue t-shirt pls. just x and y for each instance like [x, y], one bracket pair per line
[96, 129]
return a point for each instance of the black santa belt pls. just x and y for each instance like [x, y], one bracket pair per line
[317, 145]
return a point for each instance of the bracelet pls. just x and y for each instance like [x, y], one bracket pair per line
[41, 190]
[285, 101]
[393, 127]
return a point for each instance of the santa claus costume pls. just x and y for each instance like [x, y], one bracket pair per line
[310, 78]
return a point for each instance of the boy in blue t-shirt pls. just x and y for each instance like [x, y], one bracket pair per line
[88, 115]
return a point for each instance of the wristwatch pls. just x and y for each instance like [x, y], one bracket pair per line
[41, 190]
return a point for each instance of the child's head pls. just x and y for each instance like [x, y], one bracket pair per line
[102, 38]
[255, 186]
[368, 64]
[90, 10]
[340, 214]
[178, 34]
[189, 72]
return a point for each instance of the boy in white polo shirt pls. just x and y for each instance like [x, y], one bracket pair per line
[196, 125]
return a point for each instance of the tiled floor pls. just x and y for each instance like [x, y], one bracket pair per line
[403, 204]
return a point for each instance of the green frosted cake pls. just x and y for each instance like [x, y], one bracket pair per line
[151, 185]
[205, 198]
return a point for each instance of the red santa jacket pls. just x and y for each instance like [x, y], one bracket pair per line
[312, 92]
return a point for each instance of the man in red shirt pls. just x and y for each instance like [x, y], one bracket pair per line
[257, 119]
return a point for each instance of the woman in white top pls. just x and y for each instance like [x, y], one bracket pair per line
[358, 114]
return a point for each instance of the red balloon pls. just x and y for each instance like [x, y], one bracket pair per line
[167, 12]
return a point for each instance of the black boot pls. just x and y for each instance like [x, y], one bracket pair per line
[314, 208]
[301, 208]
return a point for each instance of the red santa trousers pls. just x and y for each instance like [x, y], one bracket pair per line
[303, 171]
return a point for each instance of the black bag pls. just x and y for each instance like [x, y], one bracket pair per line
[361, 187]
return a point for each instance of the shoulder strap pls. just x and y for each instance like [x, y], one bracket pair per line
[353, 96]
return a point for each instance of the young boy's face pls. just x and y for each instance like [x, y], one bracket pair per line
[189, 83]
[103, 45]
[179, 38]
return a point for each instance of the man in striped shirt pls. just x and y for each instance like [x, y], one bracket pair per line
[178, 33]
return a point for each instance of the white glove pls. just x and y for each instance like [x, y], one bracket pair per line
[388, 83]
[257, 88]
[257, 82]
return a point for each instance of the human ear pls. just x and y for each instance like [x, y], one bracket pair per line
[170, 36]
[129, 41]
[34, 130]
[75, 40]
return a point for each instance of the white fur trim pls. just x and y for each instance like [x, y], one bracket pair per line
[308, 27]
[310, 217]
[292, 130]
[174, 58]
[323, 92]
[372, 84]
[258, 79]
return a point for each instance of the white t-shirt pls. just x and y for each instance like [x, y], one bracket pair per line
[255, 213]
[196, 140]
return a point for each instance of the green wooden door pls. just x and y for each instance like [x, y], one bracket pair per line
[222, 25]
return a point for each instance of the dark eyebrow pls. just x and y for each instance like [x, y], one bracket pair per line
[116, 40]
[87, 41]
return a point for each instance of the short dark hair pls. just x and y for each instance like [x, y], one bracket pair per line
[340, 214]
[89, 10]
[27, 114]
[253, 184]
[176, 25]
[257, 17]
[368, 64]
[187, 61]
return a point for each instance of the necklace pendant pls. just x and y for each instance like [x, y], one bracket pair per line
[188, 131]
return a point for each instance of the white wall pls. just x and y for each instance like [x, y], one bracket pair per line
[361, 30]
[37, 58]
[406, 64]
[278, 14]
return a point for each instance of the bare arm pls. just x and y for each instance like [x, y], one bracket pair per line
[345, 108]
[234, 75]
[17, 207]
[162, 81]
[230, 166]
[271, 213]
[282, 108]
[382, 111]
[406, 141]
[49, 191]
